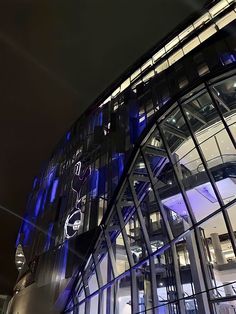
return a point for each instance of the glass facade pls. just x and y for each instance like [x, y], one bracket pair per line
[168, 245]
[151, 172]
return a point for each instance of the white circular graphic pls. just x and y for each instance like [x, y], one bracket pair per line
[73, 223]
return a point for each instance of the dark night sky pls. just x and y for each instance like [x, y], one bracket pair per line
[55, 58]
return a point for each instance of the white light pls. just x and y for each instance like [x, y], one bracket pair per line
[161, 284]
[141, 119]
[76, 225]
[173, 120]
[235, 84]
[141, 165]
[19, 262]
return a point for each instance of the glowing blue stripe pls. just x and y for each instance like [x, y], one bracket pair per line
[54, 190]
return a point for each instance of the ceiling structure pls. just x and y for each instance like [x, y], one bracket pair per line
[56, 57]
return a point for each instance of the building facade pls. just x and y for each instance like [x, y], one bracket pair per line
[135, 211]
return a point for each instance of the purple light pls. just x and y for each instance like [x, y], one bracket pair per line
[54, 190]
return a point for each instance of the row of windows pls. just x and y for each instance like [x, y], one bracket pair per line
[160, 55]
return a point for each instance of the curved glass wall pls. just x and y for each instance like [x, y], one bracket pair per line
[168, 245]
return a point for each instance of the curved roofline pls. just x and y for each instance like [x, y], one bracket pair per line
[100, 100]
[143, 58]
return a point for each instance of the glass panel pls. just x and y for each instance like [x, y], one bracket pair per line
[159, 54]
[191, 274]
[224, 307]
[104, 268]
[207, 33]
[202, 20]
[191, 45]
[217, 8]
[192, 174]
[92, 281]
[166, 186]
[202, 116]
[165, 277]
[220, 258]
[186, 32]
[117, 245]
[161, 67]
[232, 216]
[224, 93]
[123, 296]
[81, 308]
[143, 278]
[94, 304]
[225, 20]
[220, 156]
[153, 221]
[136, 240]
[174, 42]
[176, 56]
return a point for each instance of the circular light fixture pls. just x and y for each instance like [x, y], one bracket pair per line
[73, 224]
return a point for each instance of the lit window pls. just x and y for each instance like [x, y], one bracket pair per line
[191, 45]
[174, 42]
[135, 74]
[207, 33]
[225, 20]
[159, 55]
[148, 76]
[146, 65]
[220, 6]
[186, 32]
[115, 93]
[202, 20]
[176, 56]
[125, 84]
[164, 65]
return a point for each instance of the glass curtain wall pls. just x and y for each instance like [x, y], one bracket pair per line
[169, 244]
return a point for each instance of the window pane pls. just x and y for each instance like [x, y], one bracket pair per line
[220, 256]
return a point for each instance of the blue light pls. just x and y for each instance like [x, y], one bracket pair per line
[26, 231]
[54, 190]
[68, 135]
[18, 239]
[38, 204]
[44, 198]
[227, 58]
[35, 182]
[100, 118]
[94, 183]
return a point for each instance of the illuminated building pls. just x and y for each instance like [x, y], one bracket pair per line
[135, 210]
